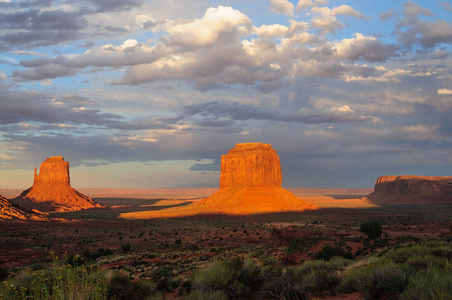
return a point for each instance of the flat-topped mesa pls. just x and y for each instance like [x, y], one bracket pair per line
[52, 190]
[413, 184]
[412, 189]
[251, 165]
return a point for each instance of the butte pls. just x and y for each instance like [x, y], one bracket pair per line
[52, 191]
[250, 183]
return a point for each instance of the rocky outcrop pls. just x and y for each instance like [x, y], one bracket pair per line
[52, 190]
[12, 211]
[250, 183]
[251, 165]
[412, 189]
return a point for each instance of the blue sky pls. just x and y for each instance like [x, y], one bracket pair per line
[146, 94]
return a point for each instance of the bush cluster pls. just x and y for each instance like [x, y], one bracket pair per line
[372, 229]
[420, 270]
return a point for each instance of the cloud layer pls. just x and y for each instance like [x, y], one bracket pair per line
[336, 89]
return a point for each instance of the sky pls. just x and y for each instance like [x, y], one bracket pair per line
[149, 94]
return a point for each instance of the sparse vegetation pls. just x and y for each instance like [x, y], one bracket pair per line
[282, 256]
[372, 229]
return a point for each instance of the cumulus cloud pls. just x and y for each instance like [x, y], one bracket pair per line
[412, 30]
[302, 4]
[365, 47]
[282, 7]
[222, 49]
[217, 23]
[325, 19]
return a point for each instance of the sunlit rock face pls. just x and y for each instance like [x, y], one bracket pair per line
[51, 189]
[251, 165]
[408, 188]
[250, 183]
[11, 211]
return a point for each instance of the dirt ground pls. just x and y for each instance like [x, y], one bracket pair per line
[182, 245]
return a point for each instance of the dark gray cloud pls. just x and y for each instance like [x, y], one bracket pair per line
[413, 30]
[214, 166]
[34, 28]
[20, 106]
[222, 113]
[50, 71]
[30, 24]
[114, 5]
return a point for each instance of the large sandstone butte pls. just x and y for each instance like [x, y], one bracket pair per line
[52, 190]
[12, 211]
[412, 189]
[250, 183]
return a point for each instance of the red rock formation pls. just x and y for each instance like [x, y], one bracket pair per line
[251, 164]
[416, 189]
[250, 183]
[51, 189]
[12, 211]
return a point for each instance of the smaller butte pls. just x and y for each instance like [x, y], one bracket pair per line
[250, 183]
[52, 191]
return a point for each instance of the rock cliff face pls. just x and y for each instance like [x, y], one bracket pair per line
[51, 189]
[11, 211]
[415, 189]
[251, 165]
[250, 183]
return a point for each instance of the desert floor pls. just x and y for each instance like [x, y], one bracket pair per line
[144, 248]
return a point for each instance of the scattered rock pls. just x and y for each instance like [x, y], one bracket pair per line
[52, 191]
[12, 211]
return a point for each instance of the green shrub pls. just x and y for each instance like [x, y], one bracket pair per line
[3, 274]
[219, 276]
[126, 247]
[119, 286]
[283, 283]
[299, 245]
[205, 295]
[372, 229]
[60, 281]
[319, 275]
[429, 284]
[382, 277]
[329, 251]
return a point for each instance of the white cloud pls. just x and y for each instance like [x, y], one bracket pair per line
[46, 82]
[302, 4]
[325, 18]
[282, 7]
[204, 32]
[272, 31]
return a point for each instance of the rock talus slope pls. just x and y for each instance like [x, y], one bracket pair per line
[52, 190]
[412, 189]
[12, 211]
